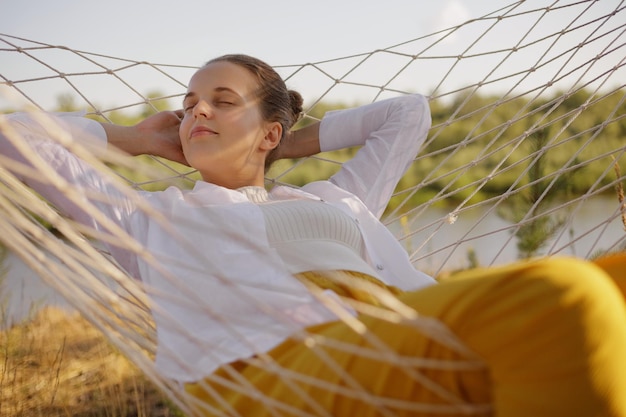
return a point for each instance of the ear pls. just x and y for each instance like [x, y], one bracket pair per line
[273, 133]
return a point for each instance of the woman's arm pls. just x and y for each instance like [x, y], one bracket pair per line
[156, 135]
[391, 133]
[35, 148]
[301, 143]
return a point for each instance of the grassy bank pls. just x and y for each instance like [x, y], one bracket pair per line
[58, 364]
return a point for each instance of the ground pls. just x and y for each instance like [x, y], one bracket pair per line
[58, 364]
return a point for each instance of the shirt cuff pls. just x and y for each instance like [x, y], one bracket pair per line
[83, 129]
[43, 126]
[339, 129]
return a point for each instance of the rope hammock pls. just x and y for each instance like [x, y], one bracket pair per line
[525, 157]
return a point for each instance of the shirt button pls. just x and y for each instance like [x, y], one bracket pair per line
[356, 221]
[380, 267]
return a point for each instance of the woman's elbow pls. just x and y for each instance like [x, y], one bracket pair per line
[417, 108]
[414, 111]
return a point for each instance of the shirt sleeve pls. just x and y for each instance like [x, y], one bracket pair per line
[36, 144]
[391, 133]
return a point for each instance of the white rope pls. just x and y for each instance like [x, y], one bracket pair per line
[559, 81]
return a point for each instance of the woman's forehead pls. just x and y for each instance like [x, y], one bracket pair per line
[223, 76]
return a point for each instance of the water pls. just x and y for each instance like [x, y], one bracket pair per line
[435, 246]
[22, 292]
[595, 225]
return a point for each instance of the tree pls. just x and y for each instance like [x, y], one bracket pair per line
[535, 199]
[66, 102]
[154, 104]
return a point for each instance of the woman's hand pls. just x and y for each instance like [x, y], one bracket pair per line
[156, 135]
[160, 133]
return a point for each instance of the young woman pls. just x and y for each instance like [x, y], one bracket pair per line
[299, 301]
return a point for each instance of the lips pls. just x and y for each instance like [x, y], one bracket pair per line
[201, 130]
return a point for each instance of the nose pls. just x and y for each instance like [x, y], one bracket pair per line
[202, 109]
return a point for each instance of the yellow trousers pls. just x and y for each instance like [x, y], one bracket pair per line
[552, 334]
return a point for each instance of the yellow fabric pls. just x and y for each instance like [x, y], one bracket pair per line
[347, 284]
[552, 333]
[615, 265]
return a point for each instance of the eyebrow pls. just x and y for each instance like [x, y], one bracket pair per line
[217, 90]
[190, 94]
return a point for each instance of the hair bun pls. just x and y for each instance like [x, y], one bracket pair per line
[296, 102]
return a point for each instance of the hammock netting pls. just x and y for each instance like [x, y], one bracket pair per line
[525, 157]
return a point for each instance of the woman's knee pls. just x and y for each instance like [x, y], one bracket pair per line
[570, 341]
[575, 283]
[525, 309]
[615, 266]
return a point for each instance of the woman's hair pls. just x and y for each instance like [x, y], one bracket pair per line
[277, 103]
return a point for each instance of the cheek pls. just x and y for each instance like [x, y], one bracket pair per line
[183, 128]
[183, 132]
[247, 123]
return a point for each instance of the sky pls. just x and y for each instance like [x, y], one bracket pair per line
[192, 31]
[189, 32]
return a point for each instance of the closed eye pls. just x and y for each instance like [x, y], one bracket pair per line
[189, 101]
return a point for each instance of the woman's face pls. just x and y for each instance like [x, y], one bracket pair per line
[223, 134]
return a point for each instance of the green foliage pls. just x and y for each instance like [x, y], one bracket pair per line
[535, 199]
[154, 104]
[66, 103]
[490, 141]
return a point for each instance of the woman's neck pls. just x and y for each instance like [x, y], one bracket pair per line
[236, 182]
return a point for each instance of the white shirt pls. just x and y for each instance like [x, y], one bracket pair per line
[219, 291]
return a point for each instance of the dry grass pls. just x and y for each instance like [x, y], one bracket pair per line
[60, 365]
